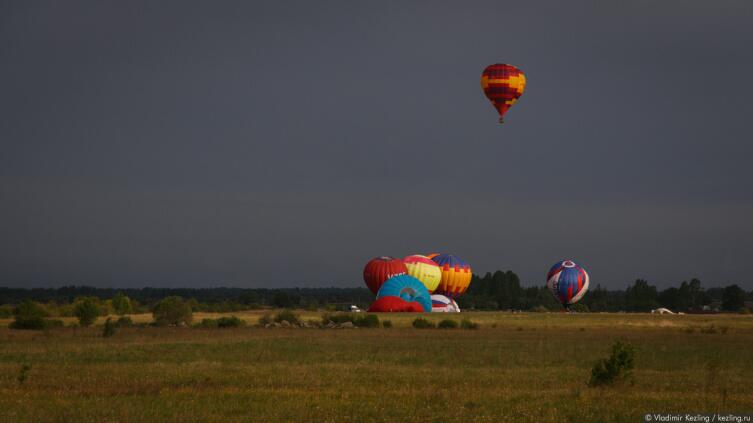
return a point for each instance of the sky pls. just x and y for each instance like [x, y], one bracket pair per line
[281, 144]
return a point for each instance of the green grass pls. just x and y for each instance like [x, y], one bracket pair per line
[528, 367]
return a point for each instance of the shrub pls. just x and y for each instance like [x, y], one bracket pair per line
[124, 322]
[708, 329]
[121, 304]
[265, 319]
[206, 323]
[540, 309]
[230, 322]
[387, 324]
[53, 323]
[6, 311]
[29, 323]
[367, 321]
[286, 315]
[421, 323]
[87, 310]
[579, 308]
[172, 311]
[447, 324]
[109, 329]
[338, 318]
[617, 368]
[23, 373]
[468, 324]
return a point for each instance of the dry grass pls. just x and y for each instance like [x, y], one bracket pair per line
[528, 366]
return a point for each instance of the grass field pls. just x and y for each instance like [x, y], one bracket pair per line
[515, 367]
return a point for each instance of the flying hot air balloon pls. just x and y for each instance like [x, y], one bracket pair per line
[423, 269]
[380, 269]
[568, 281]
[456, 275]
[503, 85]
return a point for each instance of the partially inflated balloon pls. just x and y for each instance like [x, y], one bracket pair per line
[442, 304]
[502, 85]
[380, 269]
[392, 303]
[423, 269]
[408, 288]
[568, 281]
[456, 275]
[431, 255]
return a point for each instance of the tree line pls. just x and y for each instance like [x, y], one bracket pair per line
[493, 291]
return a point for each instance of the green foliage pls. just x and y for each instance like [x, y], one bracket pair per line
[109, 329]
[468, 324]
[733, 298]
[579, 308]
[387, 324]
[367, 321]
[230, 322]
[87, 310]
[540, 309]
[338, 318]
[287, 315]
[29, 315]
[23, 373]
[124, 322]
[641, 296]
[53, 323]
[172, 311]
[265, 319]
[617, 368]
[447, 324]
[6, 311]
[421, 323]
[121, 304]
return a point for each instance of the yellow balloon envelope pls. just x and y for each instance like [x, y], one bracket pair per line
[425, 270]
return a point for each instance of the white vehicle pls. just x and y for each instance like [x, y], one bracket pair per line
[354, 309]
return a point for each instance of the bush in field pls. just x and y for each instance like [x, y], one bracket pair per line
[23, 373]
[286, 315]
[53, 323]
[109, 329]
[265, 319]
[230, 322]
[468, 324]
[421, 323]
[29, 315]
[617, 368]
[124, 322]
[579, 308]
[387, 324]
[447, 324]
[172, 311]
[121, 304]
[367, 321]
[338, 318]
[540, 309]
[87, 310]
[6, 311]
[206, 324]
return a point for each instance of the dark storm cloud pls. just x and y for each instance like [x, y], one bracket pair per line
[282, 144]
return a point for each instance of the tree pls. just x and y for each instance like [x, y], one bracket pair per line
[29, 315]
[121, 304]
[172, 311]
[641, 296]
[733, 298]
[87, 310]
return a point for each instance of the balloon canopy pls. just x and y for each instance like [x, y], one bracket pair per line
[503, 85]
[395, 304]
[424, 269]
[408, 288]
[456, 275]
[442, 304]
[568, 281]
[380, 269]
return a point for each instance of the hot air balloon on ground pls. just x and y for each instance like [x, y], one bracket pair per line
[456, 275]
[503, 85]
[424, 269]
[568, 281]
[408, 288]
[380, 269]
[391, 304]
[442, 304]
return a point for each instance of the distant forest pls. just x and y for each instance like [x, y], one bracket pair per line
[493, 291]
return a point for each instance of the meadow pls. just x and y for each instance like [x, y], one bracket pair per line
[515, 367]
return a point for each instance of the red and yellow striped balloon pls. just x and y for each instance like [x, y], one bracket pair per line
[503, 85]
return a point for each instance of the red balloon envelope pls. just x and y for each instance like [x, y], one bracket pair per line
[380, 269]
[395, 304]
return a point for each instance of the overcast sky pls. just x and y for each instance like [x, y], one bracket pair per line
[278, 144]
